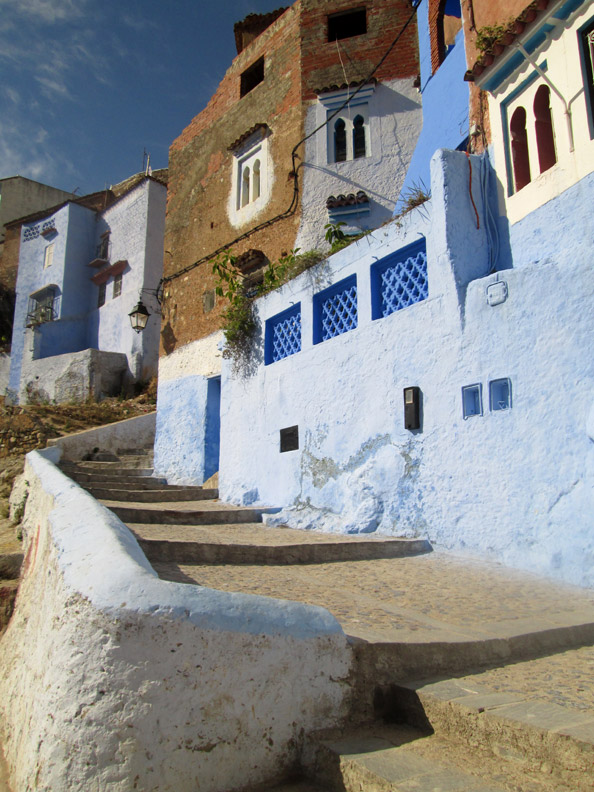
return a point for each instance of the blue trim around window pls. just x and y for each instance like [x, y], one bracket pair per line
[335, 310]
[282, 336]
[399, 280]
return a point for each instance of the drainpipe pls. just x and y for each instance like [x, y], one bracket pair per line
[533, 63]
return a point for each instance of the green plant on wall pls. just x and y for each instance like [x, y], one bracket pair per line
[239, 322]
[489, 34]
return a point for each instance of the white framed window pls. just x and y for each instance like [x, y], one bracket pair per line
[349, 132]
[251, 178]
[48, 256]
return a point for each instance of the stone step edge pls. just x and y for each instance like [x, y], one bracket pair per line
[153, 495]
[531, 731]
[333, 759]
[200, 552]
[180, 517]
[117, 470]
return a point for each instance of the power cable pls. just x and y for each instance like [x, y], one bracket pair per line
[294, 170]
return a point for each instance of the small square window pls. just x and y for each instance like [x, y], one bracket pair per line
[472, 400]
[347, 24]
[251, 77]
[117, 285]
[500, 394]
[101, 295]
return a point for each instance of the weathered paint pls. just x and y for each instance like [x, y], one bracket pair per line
[136, 226]
[117, 679]
[394, 122]
[513, 484]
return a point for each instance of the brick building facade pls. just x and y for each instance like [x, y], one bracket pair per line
[231, 170]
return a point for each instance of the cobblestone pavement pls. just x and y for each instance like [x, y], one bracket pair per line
[424, 598]
[437, 596]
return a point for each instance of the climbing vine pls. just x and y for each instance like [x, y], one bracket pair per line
[239, 321]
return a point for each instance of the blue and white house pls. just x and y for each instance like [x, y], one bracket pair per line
[81, 271]
[435, 378]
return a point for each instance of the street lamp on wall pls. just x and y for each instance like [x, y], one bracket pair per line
[139, 317]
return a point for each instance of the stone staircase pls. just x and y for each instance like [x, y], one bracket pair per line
[443, 698]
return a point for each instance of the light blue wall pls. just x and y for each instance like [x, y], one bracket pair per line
[74, 232]
[187, 425]
[516, 485]
[445, 106]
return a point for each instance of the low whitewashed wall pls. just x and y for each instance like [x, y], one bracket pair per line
[75, 376]
[136, 432]
[113, 679]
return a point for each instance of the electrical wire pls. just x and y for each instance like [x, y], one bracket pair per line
[294, 156]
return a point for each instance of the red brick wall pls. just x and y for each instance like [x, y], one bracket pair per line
[298, 58]
[200, 173]
[360, 54]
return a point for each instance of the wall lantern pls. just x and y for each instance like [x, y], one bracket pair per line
[139, 317]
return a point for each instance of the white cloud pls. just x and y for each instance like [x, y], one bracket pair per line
[51, 87]
[24, 152]
[12, 94]
[46, 11]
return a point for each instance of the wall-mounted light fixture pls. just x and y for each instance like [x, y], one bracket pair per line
[139, 315]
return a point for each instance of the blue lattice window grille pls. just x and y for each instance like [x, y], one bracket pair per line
[283, 335]
[399, 280]
[335, 310]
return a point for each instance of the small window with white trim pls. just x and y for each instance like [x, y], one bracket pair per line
[117, 285]
[48, 256]
[349, 132]
[250, 181]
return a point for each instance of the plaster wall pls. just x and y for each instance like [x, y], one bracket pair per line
[136, 226]
[514, 484]
[75, 376]
[138, 432]
[186, 442]
[445, 98]
[119, 680]
[395, 119]
[561, 54]
[69, 246]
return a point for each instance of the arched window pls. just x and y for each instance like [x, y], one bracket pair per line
[359, 148]
[519, 146]
[245, 187]
[256, 184]
[545, 139]
[340, 148]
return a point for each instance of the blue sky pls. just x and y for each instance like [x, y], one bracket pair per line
[87, 85]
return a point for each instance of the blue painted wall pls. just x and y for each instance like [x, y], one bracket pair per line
[445, 106]
[75, 227]
[187, 420]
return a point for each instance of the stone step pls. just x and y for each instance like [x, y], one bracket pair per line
[537, 733]
[208, 512]
[405, 759]
[121, 482]
[152, 495]
[183, 547]
[113, 469]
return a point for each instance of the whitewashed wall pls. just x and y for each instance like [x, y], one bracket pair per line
[516, 485]
[113, 679]
[395, 121]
